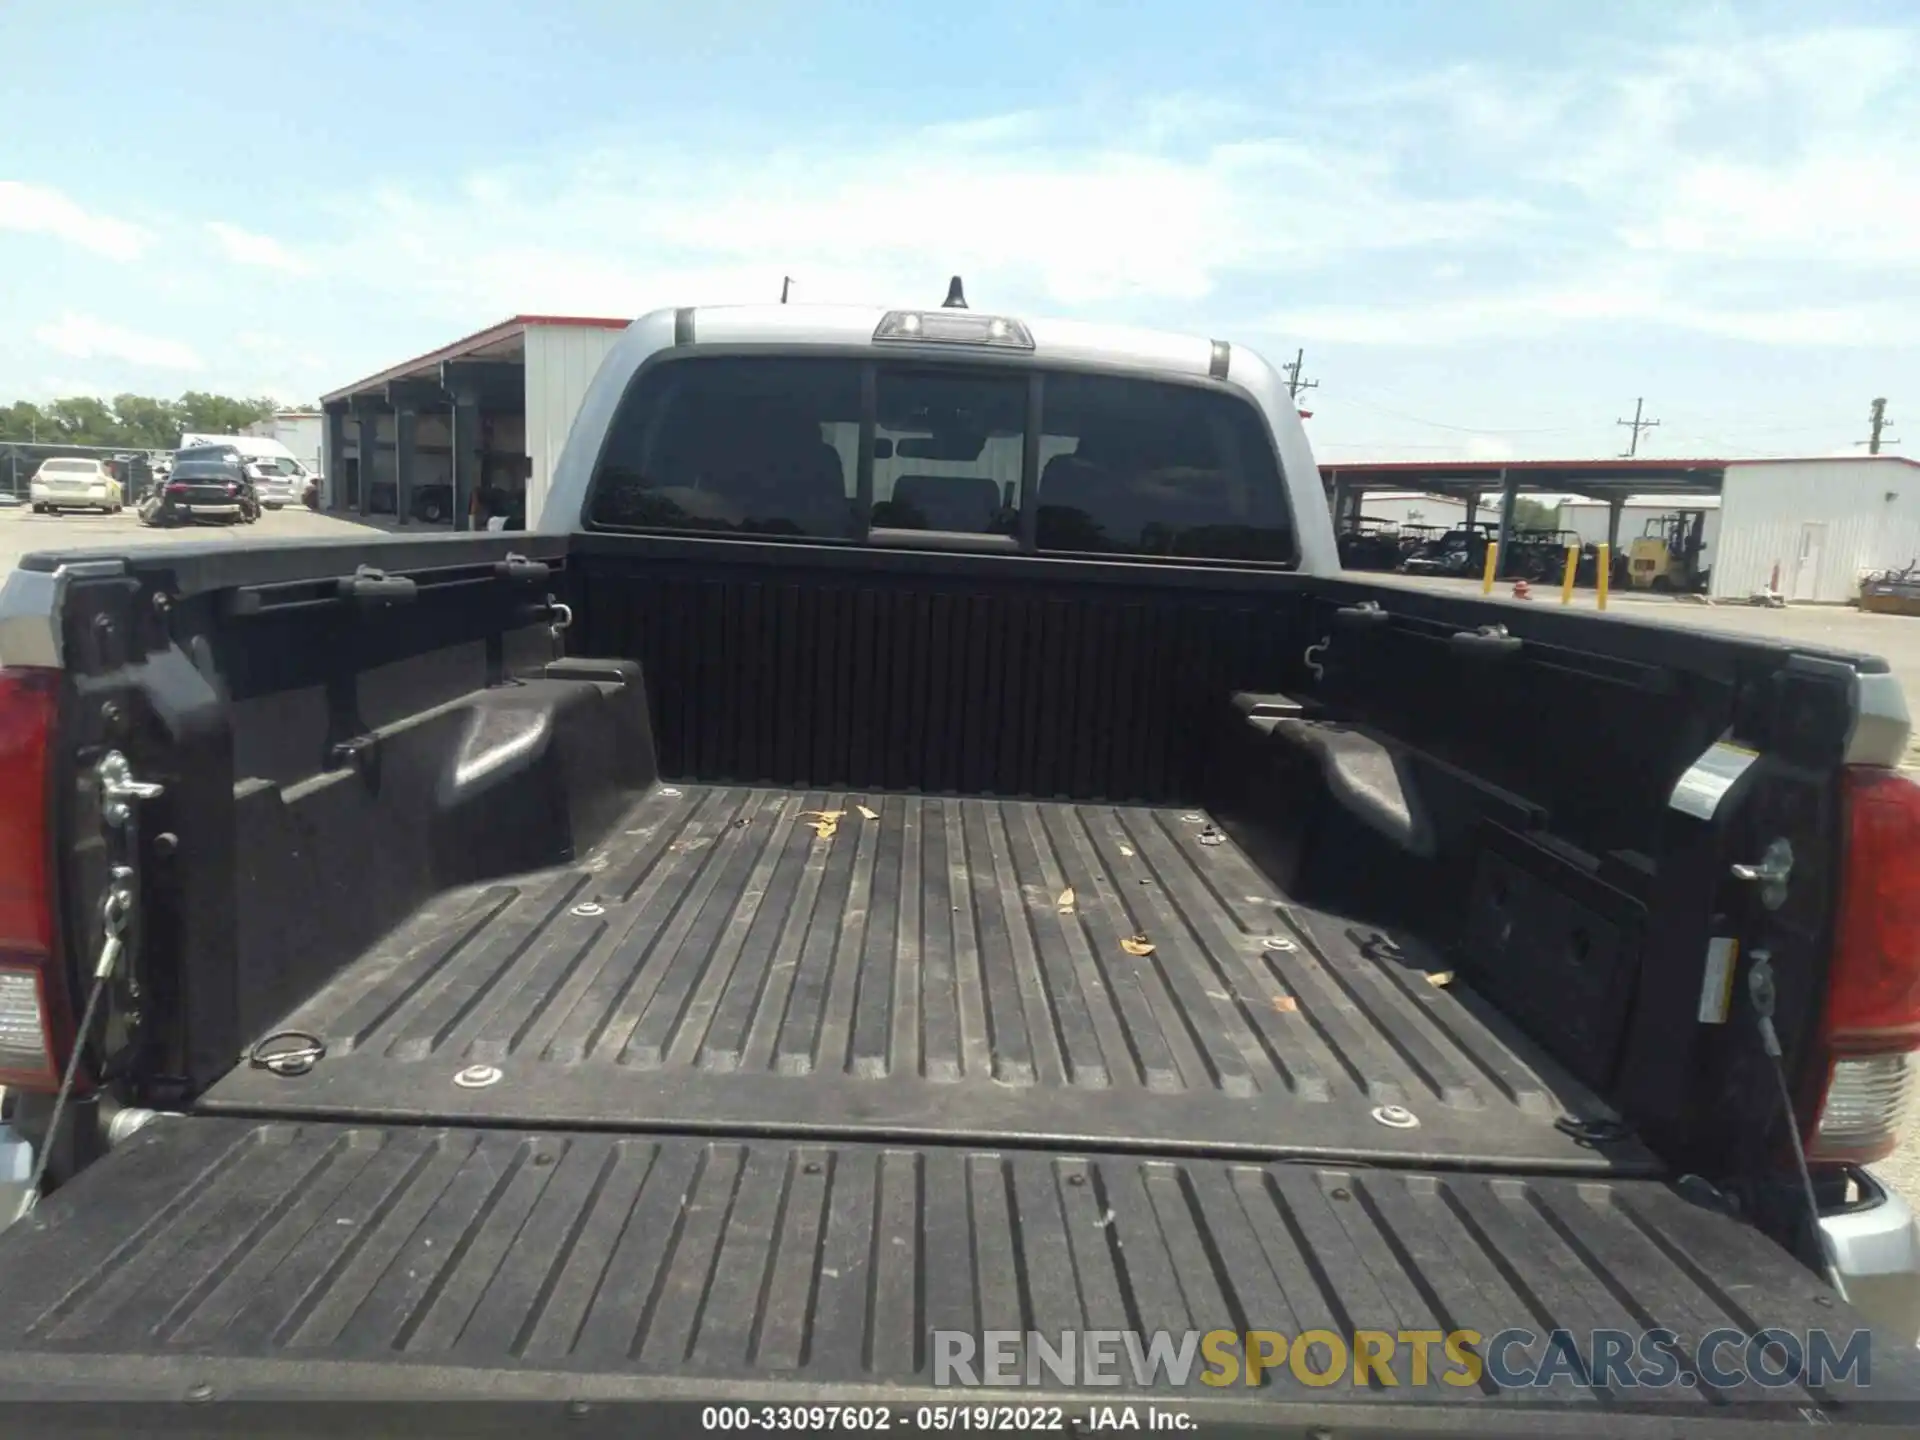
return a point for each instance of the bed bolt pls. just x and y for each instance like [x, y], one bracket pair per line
[587, 909]
[578, 1409]
[1076, 1179]
[1395, 1117]
[200, 1390]
[477, 1077]
[1280, 943]
[165, 843]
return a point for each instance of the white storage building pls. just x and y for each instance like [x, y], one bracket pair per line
[1412, 507]
[1819, 524]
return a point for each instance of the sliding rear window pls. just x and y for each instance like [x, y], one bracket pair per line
[773, 446]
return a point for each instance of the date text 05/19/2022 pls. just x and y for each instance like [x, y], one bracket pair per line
[940, 1419]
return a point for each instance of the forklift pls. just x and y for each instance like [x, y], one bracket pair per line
[1666, 557]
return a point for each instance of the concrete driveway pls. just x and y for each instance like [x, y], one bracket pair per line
[22, 531]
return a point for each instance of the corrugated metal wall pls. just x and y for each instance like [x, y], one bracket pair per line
[561, 362]
[1418, 509]
[1824, 522]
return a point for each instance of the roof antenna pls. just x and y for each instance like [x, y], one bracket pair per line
[956, 297]
[786, 283]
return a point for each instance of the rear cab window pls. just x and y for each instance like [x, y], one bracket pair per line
[1077, 463]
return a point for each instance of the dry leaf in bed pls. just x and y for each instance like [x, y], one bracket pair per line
[825, 814]
[1285, 1004]
[866, 814]
[1065, 902]
[1441, 978]
[824, 828]
[1137, 945]
[1127, 850]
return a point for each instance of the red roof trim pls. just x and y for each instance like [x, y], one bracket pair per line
[480, 339]
[589, 322]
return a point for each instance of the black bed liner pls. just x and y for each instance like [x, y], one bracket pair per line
[255, 1257]
[939, 969]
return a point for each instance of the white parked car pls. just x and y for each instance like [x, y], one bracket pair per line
[69, 484]
[278, 479]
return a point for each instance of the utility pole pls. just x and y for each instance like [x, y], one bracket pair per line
[786, 284]
[1294, 383]
[1633, 446]
[1877, 420]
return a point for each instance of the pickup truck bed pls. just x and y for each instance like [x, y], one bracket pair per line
[925, 974]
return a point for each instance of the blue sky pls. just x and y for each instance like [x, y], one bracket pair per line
[1490, 226]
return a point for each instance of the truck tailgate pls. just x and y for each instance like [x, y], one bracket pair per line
[272, 1257]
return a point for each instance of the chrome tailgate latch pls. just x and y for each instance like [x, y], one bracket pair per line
[118, 789]
[1771, 874]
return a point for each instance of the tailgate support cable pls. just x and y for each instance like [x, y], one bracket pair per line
[114, 909]
[1760, 991]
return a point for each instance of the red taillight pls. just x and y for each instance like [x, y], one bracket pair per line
[1872, 1024]
[34, 1027]
[176, 489]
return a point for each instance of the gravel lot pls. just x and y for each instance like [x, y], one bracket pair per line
[1895, 637]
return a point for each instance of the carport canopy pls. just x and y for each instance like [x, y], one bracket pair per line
[1611, 481]
[475, 380]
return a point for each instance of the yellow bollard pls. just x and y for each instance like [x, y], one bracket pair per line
[1603, 574]
[1493, 564]
[1566, 581]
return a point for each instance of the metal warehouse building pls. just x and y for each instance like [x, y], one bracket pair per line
[466, 433]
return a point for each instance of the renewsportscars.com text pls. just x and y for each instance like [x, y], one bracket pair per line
[1512, 1359]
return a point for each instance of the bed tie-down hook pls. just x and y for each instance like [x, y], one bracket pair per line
[559, 619]
[1319, 648]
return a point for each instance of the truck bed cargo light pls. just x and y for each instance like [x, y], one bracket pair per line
[954, 327]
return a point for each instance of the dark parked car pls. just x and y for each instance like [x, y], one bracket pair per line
[209, 486]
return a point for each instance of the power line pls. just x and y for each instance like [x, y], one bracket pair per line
[1633, 446]
[1877, 418]
[1354, 399]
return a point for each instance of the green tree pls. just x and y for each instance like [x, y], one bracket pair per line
[84, 420]
[221, 414]
[145, 423]
[23, 420]
[134, 422]
[1535, 515]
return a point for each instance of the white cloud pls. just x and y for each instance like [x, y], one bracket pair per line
[86, 338]
[40, 210]
[1029, 215]
[245, 247]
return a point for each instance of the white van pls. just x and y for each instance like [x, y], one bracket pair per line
[278, 476]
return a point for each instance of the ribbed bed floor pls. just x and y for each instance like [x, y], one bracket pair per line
[931, 968]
